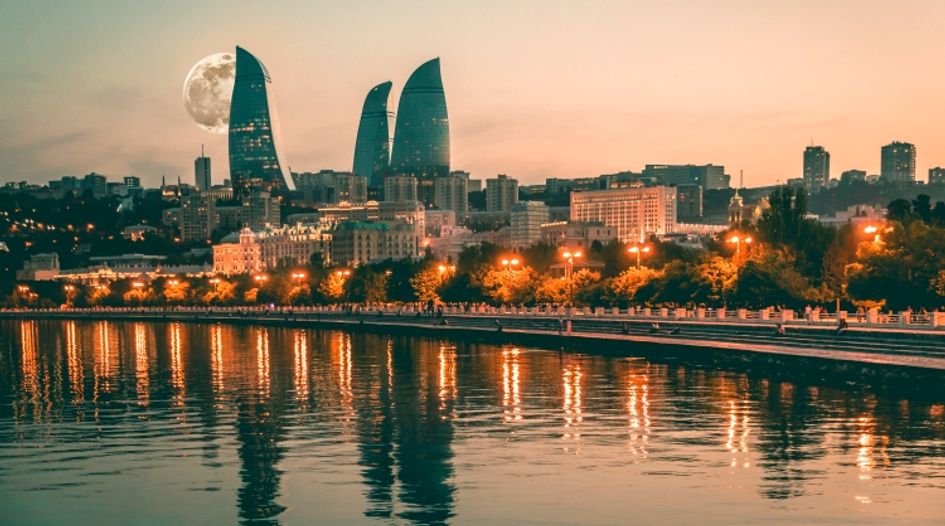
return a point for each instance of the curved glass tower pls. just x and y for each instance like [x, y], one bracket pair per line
[372, 147]
[256, 161]
[422, 134]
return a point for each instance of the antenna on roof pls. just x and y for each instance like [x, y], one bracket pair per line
[201, 151]
[741, 178]
[811, 140]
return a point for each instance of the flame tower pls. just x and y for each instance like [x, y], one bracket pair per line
[256, 162]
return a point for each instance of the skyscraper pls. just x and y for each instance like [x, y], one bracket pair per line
[898, 163]
[816, 167]
[256, 162]
[422, 132]
[202, 172]
[372, 146]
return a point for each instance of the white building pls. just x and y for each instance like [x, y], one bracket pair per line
[249, 251]
[526, 219]
[635, 212]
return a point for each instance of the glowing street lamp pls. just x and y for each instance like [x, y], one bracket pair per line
[299, 276]
[137, 284]
[261, 278]
[443, 269]
[173, 282]
[510, 264]
[875, 231]
[737, 241]
[569, 258]
[638, 251]
[343, 273]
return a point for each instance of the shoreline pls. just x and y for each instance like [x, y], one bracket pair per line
[908, 354]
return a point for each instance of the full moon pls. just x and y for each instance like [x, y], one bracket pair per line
[207, 92]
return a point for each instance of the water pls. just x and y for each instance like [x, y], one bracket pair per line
[120, 423]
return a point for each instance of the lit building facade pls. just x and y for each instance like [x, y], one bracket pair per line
[357, 242]
[372, 146]
[897, 163]
[576, 234]
[635, 212]
[248, 251]
[256, 161]
[816, 167]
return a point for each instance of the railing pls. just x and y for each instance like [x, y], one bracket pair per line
[770, 316]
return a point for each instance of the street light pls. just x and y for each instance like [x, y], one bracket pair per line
[638, 251]
[137, 284]
[569, 258]
[343, 273]
[737, 241]
[299, 276]
[510, 263]
[261, 278]
[173, 282]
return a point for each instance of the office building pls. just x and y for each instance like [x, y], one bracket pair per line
[197, 217]
[689, 202]
[816, 167]
[501, 194]
[400, 188]
[897, 163]
[451, 192]
[635, 212]
[708, 176]
[373, 143]
[526, 220]
[331, 187]
[202, 172]
[256, 159]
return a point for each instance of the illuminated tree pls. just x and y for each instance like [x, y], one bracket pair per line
[176, 291]
[427, 283]
[332, 286]
[221, 292]
[719, 276]
[510, 286]
[626, 285]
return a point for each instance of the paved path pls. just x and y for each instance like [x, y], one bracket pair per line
[919, 349]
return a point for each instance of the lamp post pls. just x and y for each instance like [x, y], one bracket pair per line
[298, 276]
[510, 264]
[638, 251]
[737, 241]
[569, 258]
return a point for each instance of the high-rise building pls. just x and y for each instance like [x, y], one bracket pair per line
[260, 210]
[372, 146]
[898, 163]
[202, 172]
[197, 217]
[709, 176]
[400, 188]
[527, 218]
[451, 192]
[635, 212]
[132, 181]
[689, 202]
[816, 167]
[256, 161]
[422, 132]
[501, 194]
[937, 175]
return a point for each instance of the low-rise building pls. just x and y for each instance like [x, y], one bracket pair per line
[40, 267]
[358, 242]
[576, 234]
[526, 220]
[247, 251]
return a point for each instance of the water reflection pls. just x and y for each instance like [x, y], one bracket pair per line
[325, 426]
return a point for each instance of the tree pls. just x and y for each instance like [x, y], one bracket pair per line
[718, 276]
[626, 285]
[426, 284]
[510, 286]
[332, 287]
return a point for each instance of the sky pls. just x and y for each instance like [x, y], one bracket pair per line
[534, 89]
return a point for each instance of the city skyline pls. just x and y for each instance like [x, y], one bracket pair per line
[547, 98]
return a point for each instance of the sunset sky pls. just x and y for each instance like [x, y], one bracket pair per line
[534, 89]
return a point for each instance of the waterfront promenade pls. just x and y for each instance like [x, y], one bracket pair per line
[905, 340]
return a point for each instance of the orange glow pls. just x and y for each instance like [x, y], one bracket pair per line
[142, 367]
[300, 353]
[511, 397]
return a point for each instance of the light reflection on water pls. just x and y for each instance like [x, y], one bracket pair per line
[101, 423]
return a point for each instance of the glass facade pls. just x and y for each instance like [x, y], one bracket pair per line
[422, 134]
[255, 160]
[372, 147]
